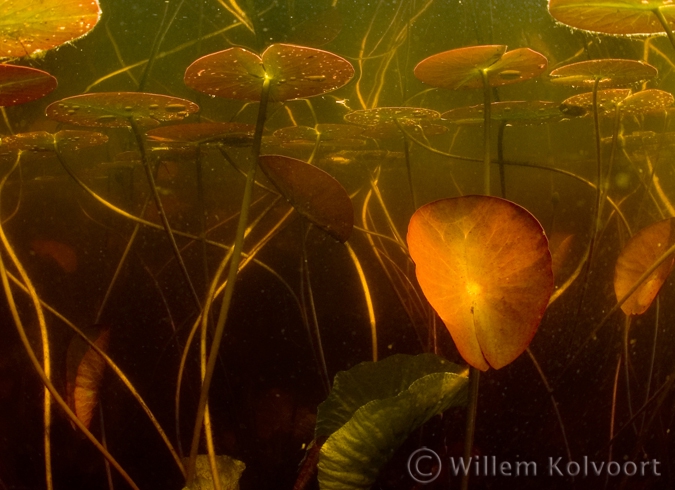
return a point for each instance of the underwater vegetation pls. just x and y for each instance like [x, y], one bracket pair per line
[291, 244]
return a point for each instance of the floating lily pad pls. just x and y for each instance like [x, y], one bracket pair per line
[295, 72]
[641, 251]
[85, 368]
[484, 265]
[115, 109]
[608, 101]
[44, 141]
[461, 68]
[373, 408]
[612, 16]
[515, 112]
[29, 26]
[330, 136]
[380, 122]
[608, 73]
[19, 84]
[200, 133]
[313, 193]
[646, 101]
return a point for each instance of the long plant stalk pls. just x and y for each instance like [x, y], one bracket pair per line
[472, 409]
[232, 275]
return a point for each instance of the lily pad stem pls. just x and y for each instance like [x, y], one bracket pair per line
[487, 118]
[664, 23]
[471, 410]
[232, 275]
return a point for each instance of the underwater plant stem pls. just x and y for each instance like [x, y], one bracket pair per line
[47, 382]
[368, 297]
[653, 357]
[626, 363]
[471, 411]
[231, 277]
[44, 337]
[408, 165]
[500, 158]
[208, 431]
[612, 415]
[487, 119]
[664, 24]
[162, 213]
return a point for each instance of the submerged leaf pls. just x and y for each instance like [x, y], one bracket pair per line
[484, 265]
[641, 251]
[373, 408]
[607, 72]
[229, 471]
[84, 373]
[313, 193]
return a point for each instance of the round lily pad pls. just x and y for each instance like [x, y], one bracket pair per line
[612, 16]
[608, 101]
[29, 26]
[115, 109]
[515, 112]
[44, 141]
[461, 68]
[295, 72]
[608, 73]
[313, 193]
[20, 84]
[381, 122]
[641, 251]
[200, 133]
[484, 265]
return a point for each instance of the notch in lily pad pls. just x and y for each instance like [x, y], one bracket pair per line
[294, 72]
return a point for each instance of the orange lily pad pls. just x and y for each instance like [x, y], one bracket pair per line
[20, 84]
[115, 109]
[313, 193]
[612, 16]
[608, 101]
[84, 373]
[380, 122]
[608, 73]
[295, 72]
[484, 265]
[641, 251]
[29, 26]
[461, 68]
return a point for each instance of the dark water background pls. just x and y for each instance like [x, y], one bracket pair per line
[267, 385]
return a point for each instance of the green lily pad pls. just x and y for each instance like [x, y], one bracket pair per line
[373, 408]
[201, 133]
[30, 26]
[607, 72]
[612, 16]
[229, 470]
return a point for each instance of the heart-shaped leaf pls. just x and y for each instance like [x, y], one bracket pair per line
[484, 265]
[294, 72]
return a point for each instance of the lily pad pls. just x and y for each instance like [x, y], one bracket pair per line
[200, 133]
[115, 109]
[313, 193]
[515, 112]
[641, 251]
[613, 16]
[608, 101]
[607, 72]
[461, 68]
[19, 84]
[294, 72]
[29, 26]
[484, 265]
[373, 408]
[44, 141]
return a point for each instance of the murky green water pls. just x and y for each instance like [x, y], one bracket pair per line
[83, 231]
